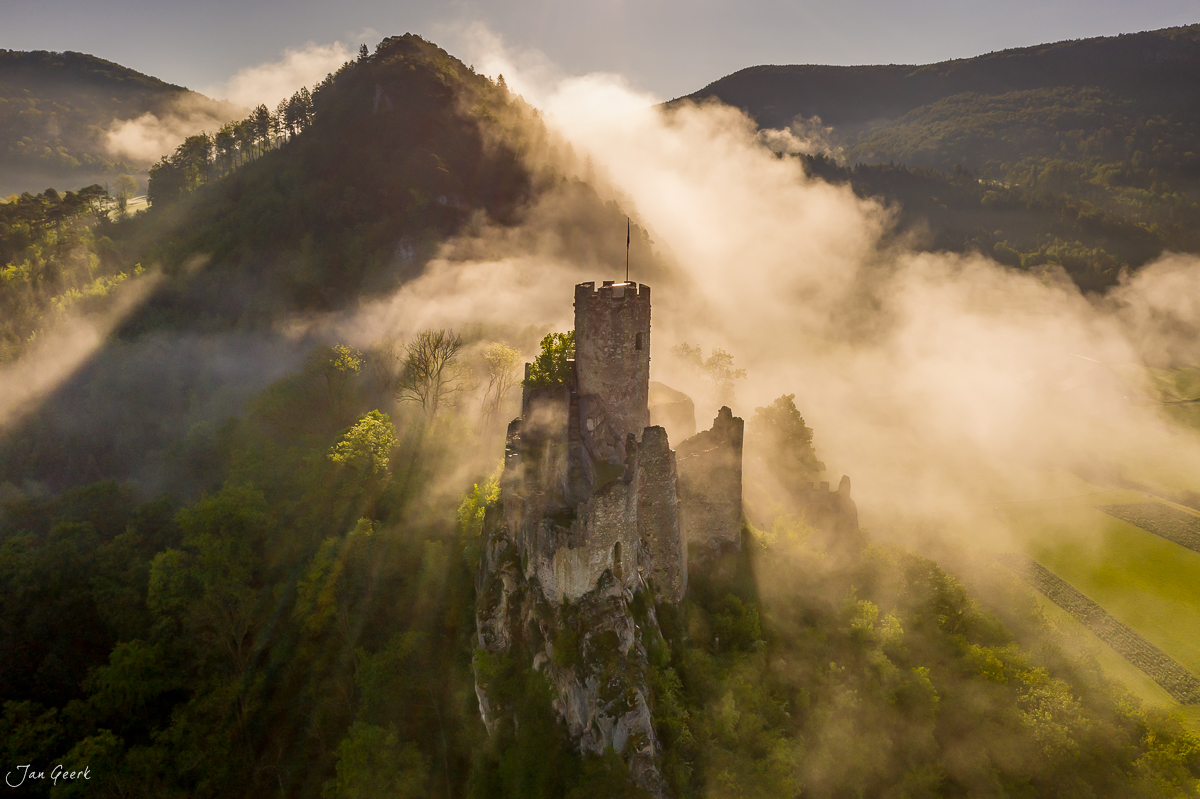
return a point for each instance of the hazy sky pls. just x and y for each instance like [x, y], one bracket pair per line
[664, 46]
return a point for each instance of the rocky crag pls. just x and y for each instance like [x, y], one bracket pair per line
[586, 538]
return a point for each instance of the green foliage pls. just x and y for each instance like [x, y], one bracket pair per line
[202, 157]
[551, 367]
[55, 257]
[475, 504]
[372, 762]
[881, 674]
[604, 776]
[367, 444]
[784, 442]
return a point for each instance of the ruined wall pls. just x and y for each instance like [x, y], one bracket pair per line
[710, 485]
[612, 353]
[630, 525]
[832, 514]
[658, 514]
[541, 440]
[569, 563]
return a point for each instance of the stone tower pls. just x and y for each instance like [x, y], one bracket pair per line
[612, 356]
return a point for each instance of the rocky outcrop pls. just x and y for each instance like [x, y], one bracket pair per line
[587, 531]
[592, 651]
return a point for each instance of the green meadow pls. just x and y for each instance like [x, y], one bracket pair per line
[1143, 580]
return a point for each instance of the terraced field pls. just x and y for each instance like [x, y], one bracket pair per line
[1178, 682]
[1134, 588]
[1173, 524]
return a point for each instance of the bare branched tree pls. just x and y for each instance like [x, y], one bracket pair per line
[429, 375]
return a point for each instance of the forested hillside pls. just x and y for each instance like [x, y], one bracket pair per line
[1086, 151]
[56, 110]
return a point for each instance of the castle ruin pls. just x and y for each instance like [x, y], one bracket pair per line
[591, 486]
[597, 510]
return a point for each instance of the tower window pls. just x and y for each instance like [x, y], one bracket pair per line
[637, 344]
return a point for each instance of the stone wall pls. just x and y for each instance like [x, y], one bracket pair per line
[832, 513]
[658, 515]
[540, 439]
[612, 352]
[629, 526]
[603, 537]
[710, 485]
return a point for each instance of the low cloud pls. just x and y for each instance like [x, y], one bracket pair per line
[151, 136]
[62, 348]
[804, 136]
[272, 81]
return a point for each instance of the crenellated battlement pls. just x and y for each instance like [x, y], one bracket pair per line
[610, 291]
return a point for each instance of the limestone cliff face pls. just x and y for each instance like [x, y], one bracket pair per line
[592, 651]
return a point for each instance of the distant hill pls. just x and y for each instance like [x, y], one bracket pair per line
[1155, 69]
[56, 110]
[1095, 133]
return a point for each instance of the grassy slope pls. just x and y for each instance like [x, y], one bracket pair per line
[1143, 580]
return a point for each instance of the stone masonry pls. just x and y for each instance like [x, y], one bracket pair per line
[710, 485]
[588, 485]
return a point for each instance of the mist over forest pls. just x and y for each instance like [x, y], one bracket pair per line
[259, 358]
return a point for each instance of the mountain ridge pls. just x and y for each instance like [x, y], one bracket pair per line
[1178, 47]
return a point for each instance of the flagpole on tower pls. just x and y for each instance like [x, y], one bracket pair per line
[626, 249]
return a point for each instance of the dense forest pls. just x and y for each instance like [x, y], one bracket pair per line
[236, 563]
[1084, 153]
